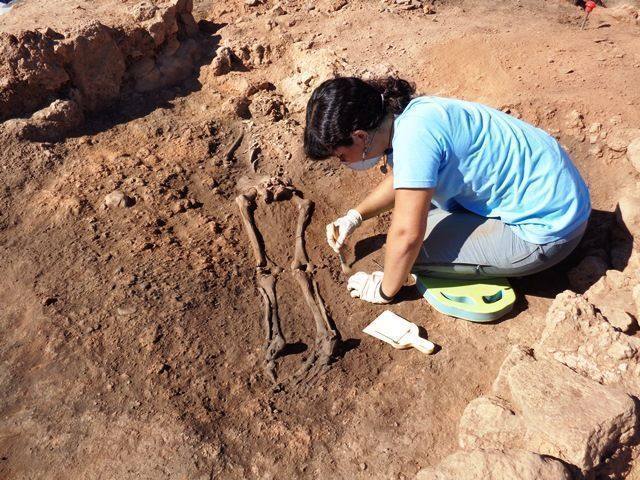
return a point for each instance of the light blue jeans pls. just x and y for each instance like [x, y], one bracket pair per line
[464, 245]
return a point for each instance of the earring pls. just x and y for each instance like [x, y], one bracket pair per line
[383, 167]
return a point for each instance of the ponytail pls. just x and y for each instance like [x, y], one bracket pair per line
[340, 106]
[397, 93]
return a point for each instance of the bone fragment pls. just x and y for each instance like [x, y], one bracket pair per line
[246, 202]
[228, 157]
[254, 152]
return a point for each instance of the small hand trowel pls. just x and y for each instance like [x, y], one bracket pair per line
[398, 332]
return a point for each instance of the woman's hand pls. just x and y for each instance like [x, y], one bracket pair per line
[338, 231]
[366, 286]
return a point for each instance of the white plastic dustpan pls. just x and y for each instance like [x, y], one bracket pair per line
[398, 332]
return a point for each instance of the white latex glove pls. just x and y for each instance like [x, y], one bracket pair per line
[338, 231]
[366, 286]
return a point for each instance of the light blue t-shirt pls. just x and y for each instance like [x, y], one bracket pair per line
[492, 164]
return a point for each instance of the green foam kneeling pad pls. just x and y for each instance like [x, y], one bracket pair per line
[473, 300]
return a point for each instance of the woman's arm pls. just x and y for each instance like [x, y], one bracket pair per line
[379, 200]
[405, 237]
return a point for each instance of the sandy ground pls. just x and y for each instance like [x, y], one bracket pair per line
[132, 343]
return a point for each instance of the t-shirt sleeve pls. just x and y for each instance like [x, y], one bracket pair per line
[417, 154]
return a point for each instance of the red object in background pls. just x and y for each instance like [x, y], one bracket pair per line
[590, 5]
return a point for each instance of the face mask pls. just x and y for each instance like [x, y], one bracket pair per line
[364, 164]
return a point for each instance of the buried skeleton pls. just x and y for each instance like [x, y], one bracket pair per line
[327, 336]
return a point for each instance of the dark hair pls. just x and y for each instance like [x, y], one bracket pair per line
[340, 106]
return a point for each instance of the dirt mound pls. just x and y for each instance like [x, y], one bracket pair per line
[90, 62]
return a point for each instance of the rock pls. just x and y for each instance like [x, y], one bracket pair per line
[98, 67]
[625, 12]
[87, 62]
[628, 213]
[428, 9]
[222, 63]
[578, 336]
[252, 3]
[516, 355]
[569, 416]
[336, 5]
[616, 279]
[31, 72]
[633, 153]
[574, 119]
[586, 273]
[49, 124]
[618, 318]
[596, 151]
[126, 310]
[180, 206]
[494, 465]
[616, 143]
[256, 87]
[117, 199]
[619, 138]
[189, 24]
[488, 423]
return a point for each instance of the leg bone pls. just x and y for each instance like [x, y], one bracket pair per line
[274, 337]
[327, 338]
[300, 258]
[245, 202]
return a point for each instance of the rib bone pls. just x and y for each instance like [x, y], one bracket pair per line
[246, 202]
[300, 258]
[274, 337]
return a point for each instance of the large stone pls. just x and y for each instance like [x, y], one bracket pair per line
[30, 73]
[628, 213]
[619, 138]
[489, 423]
[117, 199]
[495, 465]
[618, 318]
[578, 336]
[98, 66]
[633, 153]
[517, 354]
[569, 416]
[49, 124]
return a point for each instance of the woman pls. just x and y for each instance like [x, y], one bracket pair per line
[507, 200]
